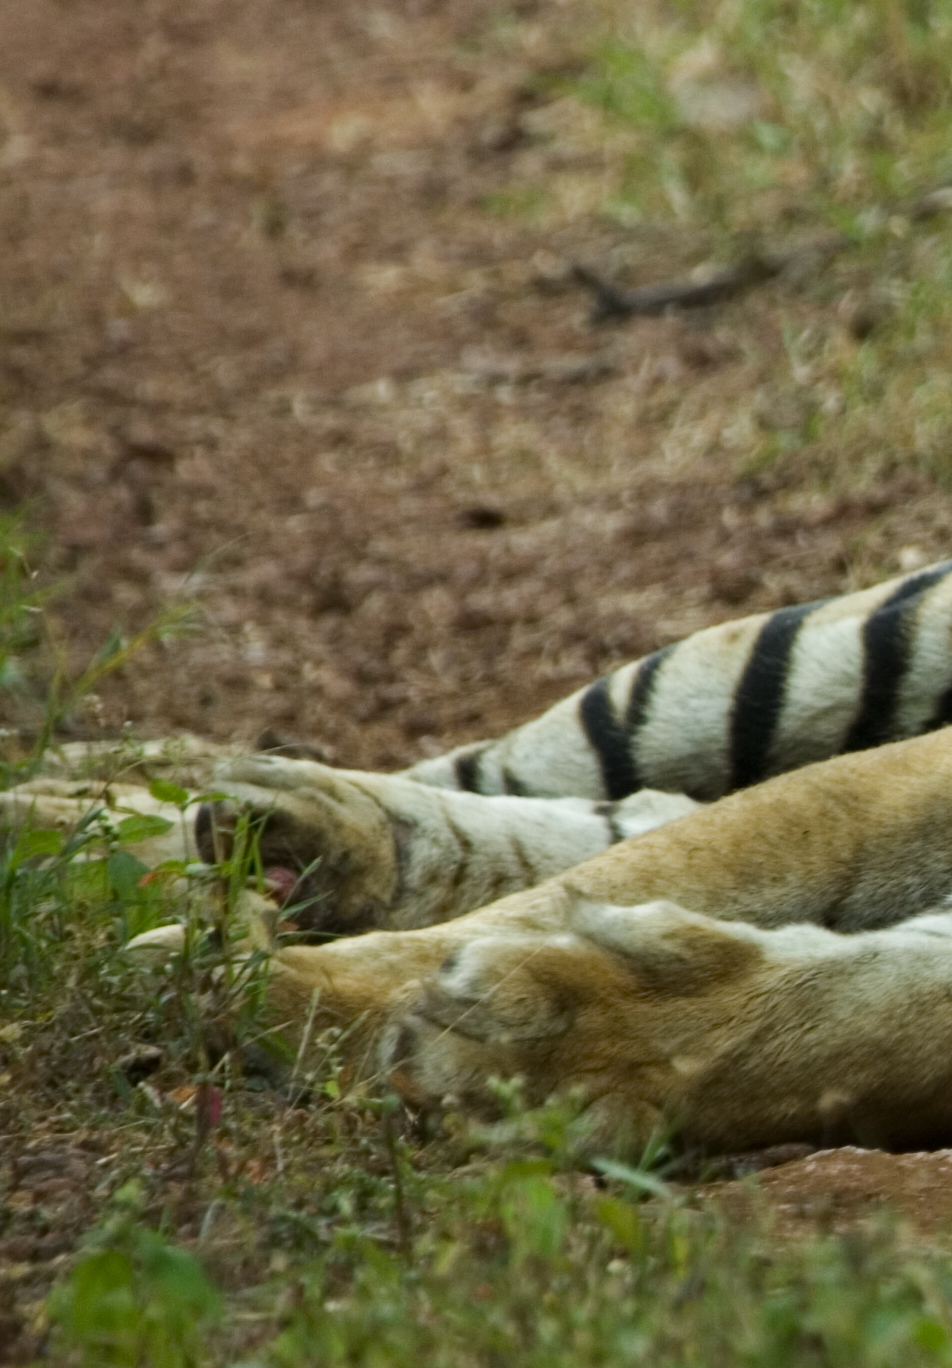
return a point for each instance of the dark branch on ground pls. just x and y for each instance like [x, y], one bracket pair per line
[614, 301]
[756, 268]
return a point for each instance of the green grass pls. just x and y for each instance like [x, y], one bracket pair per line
[815, 107]
[512, 1264]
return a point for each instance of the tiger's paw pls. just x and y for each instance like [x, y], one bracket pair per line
[621, 1013]
[324, 839]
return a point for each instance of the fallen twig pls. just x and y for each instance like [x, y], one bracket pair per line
[614, 301]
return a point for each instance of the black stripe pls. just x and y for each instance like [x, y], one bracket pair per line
[641, 690]
[609, 740]
[637, 710]
[205, 841]
[886, 643]
[512, 785]
[466, 768]
[758, 700]
[943, 712]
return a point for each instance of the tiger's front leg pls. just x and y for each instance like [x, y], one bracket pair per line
[733, 1036]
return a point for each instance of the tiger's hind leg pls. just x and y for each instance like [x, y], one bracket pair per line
[356, 852]
[736, 703]
[377, 851]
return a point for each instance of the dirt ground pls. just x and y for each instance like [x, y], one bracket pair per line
[270, 340]
[836, 1188]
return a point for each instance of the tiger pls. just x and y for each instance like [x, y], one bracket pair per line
[704, 892]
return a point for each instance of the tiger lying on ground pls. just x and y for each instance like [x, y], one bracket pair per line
[665, 977]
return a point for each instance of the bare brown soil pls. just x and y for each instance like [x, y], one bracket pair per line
[266, 340]
[834, 1189]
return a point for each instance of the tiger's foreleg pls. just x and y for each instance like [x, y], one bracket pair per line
[649, 1016]
[732, 1035]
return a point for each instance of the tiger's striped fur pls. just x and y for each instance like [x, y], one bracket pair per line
[737, 703]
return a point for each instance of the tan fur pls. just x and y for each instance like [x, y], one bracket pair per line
[859, 841]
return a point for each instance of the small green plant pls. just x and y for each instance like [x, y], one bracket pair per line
[133, 1300]
[514, 1268]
